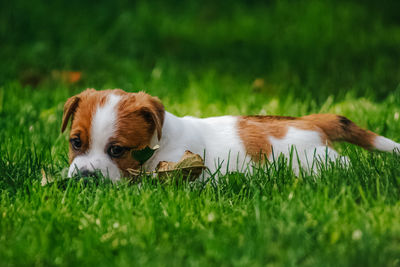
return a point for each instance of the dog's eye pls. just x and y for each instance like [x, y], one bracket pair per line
[76, 143]
[116, 151]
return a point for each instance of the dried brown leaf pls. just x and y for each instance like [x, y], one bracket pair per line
[190, 165]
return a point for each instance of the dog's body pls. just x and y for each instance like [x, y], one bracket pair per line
[230, 143]
[106, 125]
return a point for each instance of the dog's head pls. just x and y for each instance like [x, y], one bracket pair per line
[106, 126]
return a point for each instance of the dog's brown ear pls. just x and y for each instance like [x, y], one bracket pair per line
[69, 109]
[154, 113]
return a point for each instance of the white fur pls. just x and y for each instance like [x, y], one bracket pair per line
[304, 148]
[385, 144]
[102, 128]
[216, 138]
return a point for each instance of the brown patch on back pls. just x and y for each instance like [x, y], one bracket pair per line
[265, 118]
[255, 131]
[339, 128]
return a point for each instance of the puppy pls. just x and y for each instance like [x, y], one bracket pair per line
[107, 125]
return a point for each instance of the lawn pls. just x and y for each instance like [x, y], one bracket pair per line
[201, 59]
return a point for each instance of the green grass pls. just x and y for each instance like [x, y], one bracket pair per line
[201, 60]
[339, 217]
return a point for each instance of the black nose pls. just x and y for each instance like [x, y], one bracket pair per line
[87, 173]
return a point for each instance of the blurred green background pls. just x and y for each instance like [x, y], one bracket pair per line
[308, 48]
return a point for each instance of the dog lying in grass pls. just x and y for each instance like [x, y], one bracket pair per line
[108, 125]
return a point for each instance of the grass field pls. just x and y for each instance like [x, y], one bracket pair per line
[278, 57]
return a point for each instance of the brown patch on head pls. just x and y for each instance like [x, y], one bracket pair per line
[69, 109]
[140, 117]
[80, 109]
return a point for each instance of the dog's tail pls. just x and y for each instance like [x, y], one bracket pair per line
[339, 128]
